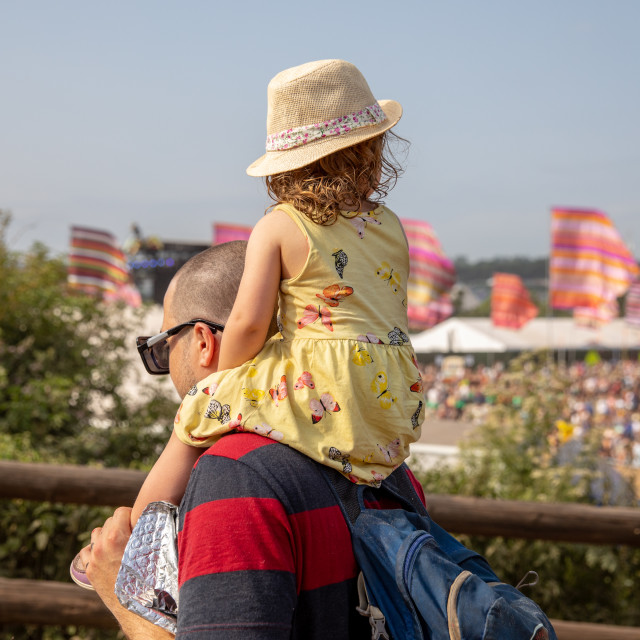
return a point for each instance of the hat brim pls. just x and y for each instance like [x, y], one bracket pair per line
[274, 162]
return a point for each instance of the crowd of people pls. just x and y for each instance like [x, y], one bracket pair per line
[459, 390]
[603, 396]
[606, 396]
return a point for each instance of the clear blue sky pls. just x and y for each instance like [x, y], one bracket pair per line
[149, 111]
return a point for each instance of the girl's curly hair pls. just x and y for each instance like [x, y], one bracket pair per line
[362, 173]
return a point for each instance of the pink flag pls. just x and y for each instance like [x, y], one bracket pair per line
[633, 304]
[223, 232]
[97, 265]
[431, 276]
[433, 312]
[590, 265]
[596, 317]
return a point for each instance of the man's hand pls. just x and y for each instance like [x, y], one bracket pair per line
[102, 559]
[104, 555]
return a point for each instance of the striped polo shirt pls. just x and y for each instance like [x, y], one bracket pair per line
[264, 548]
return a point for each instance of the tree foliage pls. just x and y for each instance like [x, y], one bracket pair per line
[68, 394]
[517, 455]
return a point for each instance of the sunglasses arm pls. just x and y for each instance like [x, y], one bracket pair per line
[155, 339]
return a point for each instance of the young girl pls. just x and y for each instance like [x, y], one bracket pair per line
[339, 383]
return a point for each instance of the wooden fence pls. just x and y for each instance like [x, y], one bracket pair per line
[55, 603]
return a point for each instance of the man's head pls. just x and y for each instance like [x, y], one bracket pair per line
[197, 305]
[207, 284]
[204, 287]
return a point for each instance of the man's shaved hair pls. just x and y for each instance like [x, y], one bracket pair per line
[206, 286]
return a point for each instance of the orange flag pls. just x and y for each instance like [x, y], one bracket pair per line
[511, 305]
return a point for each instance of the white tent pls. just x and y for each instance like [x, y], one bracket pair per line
[479, 335]
[456, 335]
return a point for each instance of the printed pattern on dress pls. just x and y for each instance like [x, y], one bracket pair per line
[292, 394]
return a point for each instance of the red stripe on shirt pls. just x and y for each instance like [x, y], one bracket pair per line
[329, 559]
[418, 487]
[237, 446]
[246, 533]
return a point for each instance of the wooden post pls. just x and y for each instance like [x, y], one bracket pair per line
[475, 516]
[69, 483]
[42, 603]
[587, 631]
[566, 522]
[54, 603]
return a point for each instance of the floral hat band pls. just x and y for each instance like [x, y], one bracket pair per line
[332, 95]
[299, 136]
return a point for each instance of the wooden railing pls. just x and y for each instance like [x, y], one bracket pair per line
[54, 603]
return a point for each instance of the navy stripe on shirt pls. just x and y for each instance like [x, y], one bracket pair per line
[264, 551]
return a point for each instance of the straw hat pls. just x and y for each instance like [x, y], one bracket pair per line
[318, 108]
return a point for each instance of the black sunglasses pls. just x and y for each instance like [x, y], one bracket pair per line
[154, 350]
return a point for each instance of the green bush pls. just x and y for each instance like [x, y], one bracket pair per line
[515, 456]
[64, 399]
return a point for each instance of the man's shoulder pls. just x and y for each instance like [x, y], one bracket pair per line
[240, 460]
[246, 464]
[237, 445]
[258, 453]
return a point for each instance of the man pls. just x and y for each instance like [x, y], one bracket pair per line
[264, 551]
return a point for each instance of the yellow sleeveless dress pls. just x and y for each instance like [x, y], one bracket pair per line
[340, 381]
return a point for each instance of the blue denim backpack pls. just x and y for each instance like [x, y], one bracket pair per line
[418, 581]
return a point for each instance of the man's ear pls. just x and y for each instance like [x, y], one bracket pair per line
[206, 344]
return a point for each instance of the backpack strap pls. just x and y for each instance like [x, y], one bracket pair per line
[406, 493]
[365, 608]
[350, 496]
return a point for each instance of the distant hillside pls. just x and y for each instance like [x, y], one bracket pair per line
[482, 270]
[472, 290]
